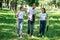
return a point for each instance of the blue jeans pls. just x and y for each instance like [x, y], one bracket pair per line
[19, 26]
[30, 27]
[42, 26]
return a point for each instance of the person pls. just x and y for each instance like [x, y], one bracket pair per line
[20, 18]
[42, 19]
[31, 19]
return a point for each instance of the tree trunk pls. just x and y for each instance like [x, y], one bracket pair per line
[8, 3]
[1, 4]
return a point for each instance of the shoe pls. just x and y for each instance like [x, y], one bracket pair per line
[32, 36]
[42, 36]
[20, 36]
[39, 35]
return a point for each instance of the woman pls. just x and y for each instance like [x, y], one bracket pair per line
[20, 18]
[42, 18]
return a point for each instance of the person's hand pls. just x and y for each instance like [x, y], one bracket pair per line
[30, 19]
[16, 15]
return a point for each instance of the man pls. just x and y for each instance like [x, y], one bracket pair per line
[31, 19]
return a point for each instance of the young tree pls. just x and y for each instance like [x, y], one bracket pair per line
[8, 3]
[15, 5]
[58, 3]
[1, 4]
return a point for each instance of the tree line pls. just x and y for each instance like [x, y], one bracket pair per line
[12, 4]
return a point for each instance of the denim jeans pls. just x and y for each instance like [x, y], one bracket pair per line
[30, 27]
[42, 26]
[19, 26]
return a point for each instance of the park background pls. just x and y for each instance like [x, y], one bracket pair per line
[8, 9]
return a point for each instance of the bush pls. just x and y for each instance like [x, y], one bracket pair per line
[58, 4]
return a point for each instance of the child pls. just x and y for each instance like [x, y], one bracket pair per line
[20, 18]
[42, 18]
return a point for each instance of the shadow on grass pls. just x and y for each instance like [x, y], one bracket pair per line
[7, 19]
[7, 32]
[5, 11]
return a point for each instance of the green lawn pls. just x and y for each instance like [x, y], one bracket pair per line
[8, 26]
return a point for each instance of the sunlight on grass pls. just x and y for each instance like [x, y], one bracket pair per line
[8, 26]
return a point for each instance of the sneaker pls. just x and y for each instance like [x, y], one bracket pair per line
[32, 36]
[42, 36]
[20, 36]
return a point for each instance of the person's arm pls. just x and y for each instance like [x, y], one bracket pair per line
[39, 20]
[47, 17]
[24, 15]
[28, 15]
[27, 12]
[17, 14]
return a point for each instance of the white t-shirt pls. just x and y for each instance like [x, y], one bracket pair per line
[20, 14]
[43, 16]
[31, 12]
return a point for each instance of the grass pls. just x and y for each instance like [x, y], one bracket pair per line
[8, 27]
